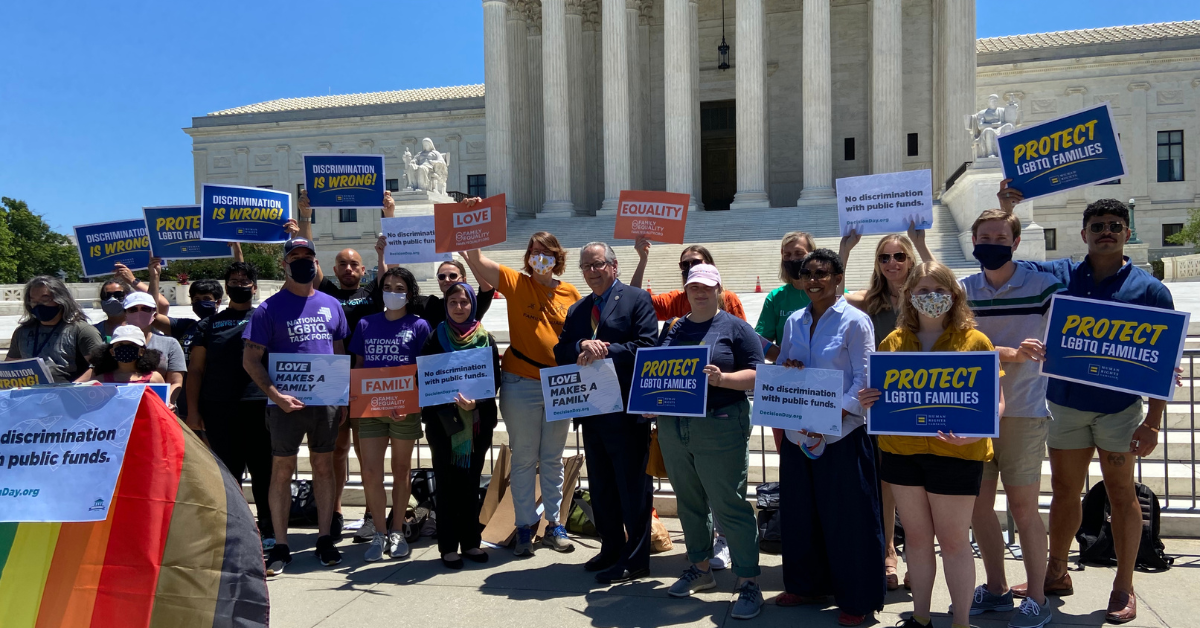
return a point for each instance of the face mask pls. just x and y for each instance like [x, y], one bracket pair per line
[126, 352]
[205, 308]
[792, 267]
[933, 304]
[992, 256]
[302, 270]
[239, 294]
[542, 264]
[112, 307]
[139, 319]
[45, 312]
[395, 300]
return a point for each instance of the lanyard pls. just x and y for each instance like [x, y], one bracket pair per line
[39, 344]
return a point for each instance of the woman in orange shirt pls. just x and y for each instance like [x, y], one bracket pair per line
[674, 304]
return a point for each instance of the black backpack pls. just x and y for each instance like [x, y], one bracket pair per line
[770, 534]
[1095, 532]
[304, 504]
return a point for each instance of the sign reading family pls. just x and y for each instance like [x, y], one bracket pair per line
[1131, 348]
[798, 399]
[234, 213]
[410, 240]
[573, 391]
[658, 216]
[386, 391]
[103, 244]
[924, 393]
[1071, 151]
[175, 234]
[885, 203]
[442, 376]
[316, 380]
[461, 228]
[670, 380]
[335, 180]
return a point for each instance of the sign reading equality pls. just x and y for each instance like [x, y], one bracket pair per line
[316, 380]
[670, 380]
[175, 234]
[380, 392]
[1072, 151]
[1131, 348]
[798, 399]
[885, 203]
[442, 376]
[410, 240]
[574, 391]
[659, 216]
[461, 228]
[336, 180]
[103, 244]
[923, 393]
[235, 213]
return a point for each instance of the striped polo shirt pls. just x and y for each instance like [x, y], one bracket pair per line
[1008, 315]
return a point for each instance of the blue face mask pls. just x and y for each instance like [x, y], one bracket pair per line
[205, 308]
[992, 256]
[46, 312]
[303, 270]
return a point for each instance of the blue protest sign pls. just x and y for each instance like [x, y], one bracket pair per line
[1130, 348]
[317, 380]
[334, 180]
[103, 244]
[233, 213]
[956, 391]
[442, 376]
[670, 380]
[1072, 151]
[175, 234]
[24, 373]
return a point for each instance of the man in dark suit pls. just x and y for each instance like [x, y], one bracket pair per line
[612, 323]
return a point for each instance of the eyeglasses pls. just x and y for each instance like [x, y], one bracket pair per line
[901, 257]
[447, 276]
[593, 266]
[816, 275]
[688, 264]
[140, 308]
[1099, 227]
[120, 296]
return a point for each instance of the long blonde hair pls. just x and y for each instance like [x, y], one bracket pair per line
[959, 317]
[788, 239]
[878, 295]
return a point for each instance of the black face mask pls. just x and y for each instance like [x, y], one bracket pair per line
[792, 267]
[993, 256]
[303, 270]
[239, 294]
[125, 352]
[205, 308]
[46, 312]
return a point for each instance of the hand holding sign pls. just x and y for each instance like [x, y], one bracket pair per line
[470, 225]
[659, 216]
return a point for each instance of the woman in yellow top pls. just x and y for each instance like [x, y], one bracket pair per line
[935, 479]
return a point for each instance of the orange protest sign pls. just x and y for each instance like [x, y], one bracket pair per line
[660, 216]
[377, 392]
[459, 228]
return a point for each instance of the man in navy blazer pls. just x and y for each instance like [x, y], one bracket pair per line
[612, 323]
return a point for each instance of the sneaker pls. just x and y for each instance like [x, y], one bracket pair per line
[366, 532]
[524, 542]
[912, 623]
[375, 549]
[556, 539]
[1030, 615]
[749, 602]
[326, 552]
[397, 546]
[268, 543]
[986, 602]
[691, 581]
[336, 526]
[720, 559]
[279, 558]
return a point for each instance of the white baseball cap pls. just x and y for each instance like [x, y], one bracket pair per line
[706, 274]
[139, 298]
[128, 333]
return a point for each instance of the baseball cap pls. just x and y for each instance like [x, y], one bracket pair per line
[298, 243]
[128, 333]
[705, 274]
[139, 298]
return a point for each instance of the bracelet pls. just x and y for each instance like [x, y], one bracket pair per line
[1154, 429]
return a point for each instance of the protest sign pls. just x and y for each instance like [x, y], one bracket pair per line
[103, 244]
[442, 376]
[336, 180]
[410, 240]
[1130, 348]
[175, 234]
[798, 399]
[1068, 152]
[61, 450]
[670, 380]
[379, 392]
[885, 203]
[659, 216]
[573, 391]
[234, 213]
[24, 373]
[459, 228]
[955, 391]
[316, 380]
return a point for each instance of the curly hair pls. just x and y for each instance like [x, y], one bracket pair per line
[959, 317]
[825, 255]
[410, 282]
[878, 296]
[1106, 207]
[102, 361]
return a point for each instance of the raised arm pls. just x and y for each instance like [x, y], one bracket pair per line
[918, 239]
[484, 269]
[236, 249]
[849, 241]
[642, 246]
[162, 322]
[1009, 197]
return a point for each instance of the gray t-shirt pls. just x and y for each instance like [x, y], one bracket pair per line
[65, 347]
[172, 354]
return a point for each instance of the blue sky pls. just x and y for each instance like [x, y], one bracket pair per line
[93, 95]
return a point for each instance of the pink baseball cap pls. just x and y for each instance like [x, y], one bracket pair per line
[706, 274]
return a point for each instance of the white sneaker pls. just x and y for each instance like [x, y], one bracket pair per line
[397, 546]
[720, 559]
[375, 549]
[366, 532]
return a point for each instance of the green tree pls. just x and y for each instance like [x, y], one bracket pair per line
[37, 249]
[1191, 231]
[8, 253]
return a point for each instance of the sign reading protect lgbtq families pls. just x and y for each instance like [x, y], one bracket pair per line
[1072, 151]
[382, 391]
[61, 450]
[316, 380]
[24, 373]
[443, 375]
[234, 213]
[573, 391]
[1131, 348]
[410, 240]
[103, 244]
[658, 216]
[461, 228]
[334, 180]
[670, 380]
[175, 234]
[926, 392]
[798, 399]
[885, 203]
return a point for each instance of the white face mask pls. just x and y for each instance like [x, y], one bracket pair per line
[932, 304]
[395, 300]
[541, 263]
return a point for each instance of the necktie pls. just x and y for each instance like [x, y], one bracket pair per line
[595, 315]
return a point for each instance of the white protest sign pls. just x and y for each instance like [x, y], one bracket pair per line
[442, 376]
[316, 380]
[798, 399]
[61, 450]
[573, 391]
[410, 241]
[885, 203]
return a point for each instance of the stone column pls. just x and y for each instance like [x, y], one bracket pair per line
[818, 108]
[693, 26]
[577, 104]
[677, 97]
[243, 164]
[537, 163]
[633, 58]
[751, 83]
[593, 184]
[518, 73]
[1138, 141]
[645, 12]
[958, 85]
[616, 104]
[199, 169]
[453, 172]
[555, 99]
[887, 97]
[496, 97]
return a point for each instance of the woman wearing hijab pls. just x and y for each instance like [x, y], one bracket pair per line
[460, 433]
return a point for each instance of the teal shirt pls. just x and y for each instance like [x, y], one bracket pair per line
[780, 304]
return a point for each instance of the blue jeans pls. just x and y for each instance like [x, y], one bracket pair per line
[536, 445]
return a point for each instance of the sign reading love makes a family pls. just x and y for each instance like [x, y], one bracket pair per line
[657, 216]
[461, 228]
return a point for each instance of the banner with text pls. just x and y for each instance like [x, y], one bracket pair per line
[670, 380]
[61, 450]
[885, 203]
[336, 180]
[1131, 348]
[573, 391]
[955, 391]
[235, 213]
[659, 216]
[461, 228]
[798, 399]
[1068, 152]
[442, 376]
[410, 240]
[24, 373]
[175, 234]
[103, 244]
[316, 380]
[379, 392]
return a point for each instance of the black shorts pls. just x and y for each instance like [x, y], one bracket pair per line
[288, 429]
[940, 475]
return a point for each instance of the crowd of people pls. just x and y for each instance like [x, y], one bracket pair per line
[840, 495]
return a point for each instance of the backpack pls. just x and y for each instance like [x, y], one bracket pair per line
[770, 529]
[582, 519]
[421, 521]
[1095, 531]
[304, 504]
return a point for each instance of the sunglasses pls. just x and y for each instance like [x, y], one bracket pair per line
[901, 257]
[140, 308]
[687, 265]
[1099, 227]
[817, 275]
[447, 276]
[120, 296]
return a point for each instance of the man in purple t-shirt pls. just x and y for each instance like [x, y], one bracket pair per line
[297, 319]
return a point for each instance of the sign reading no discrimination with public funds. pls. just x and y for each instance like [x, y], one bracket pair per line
[885, 203]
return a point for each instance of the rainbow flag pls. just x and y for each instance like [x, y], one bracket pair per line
[179, 548]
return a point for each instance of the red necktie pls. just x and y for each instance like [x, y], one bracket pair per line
[595, 315]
